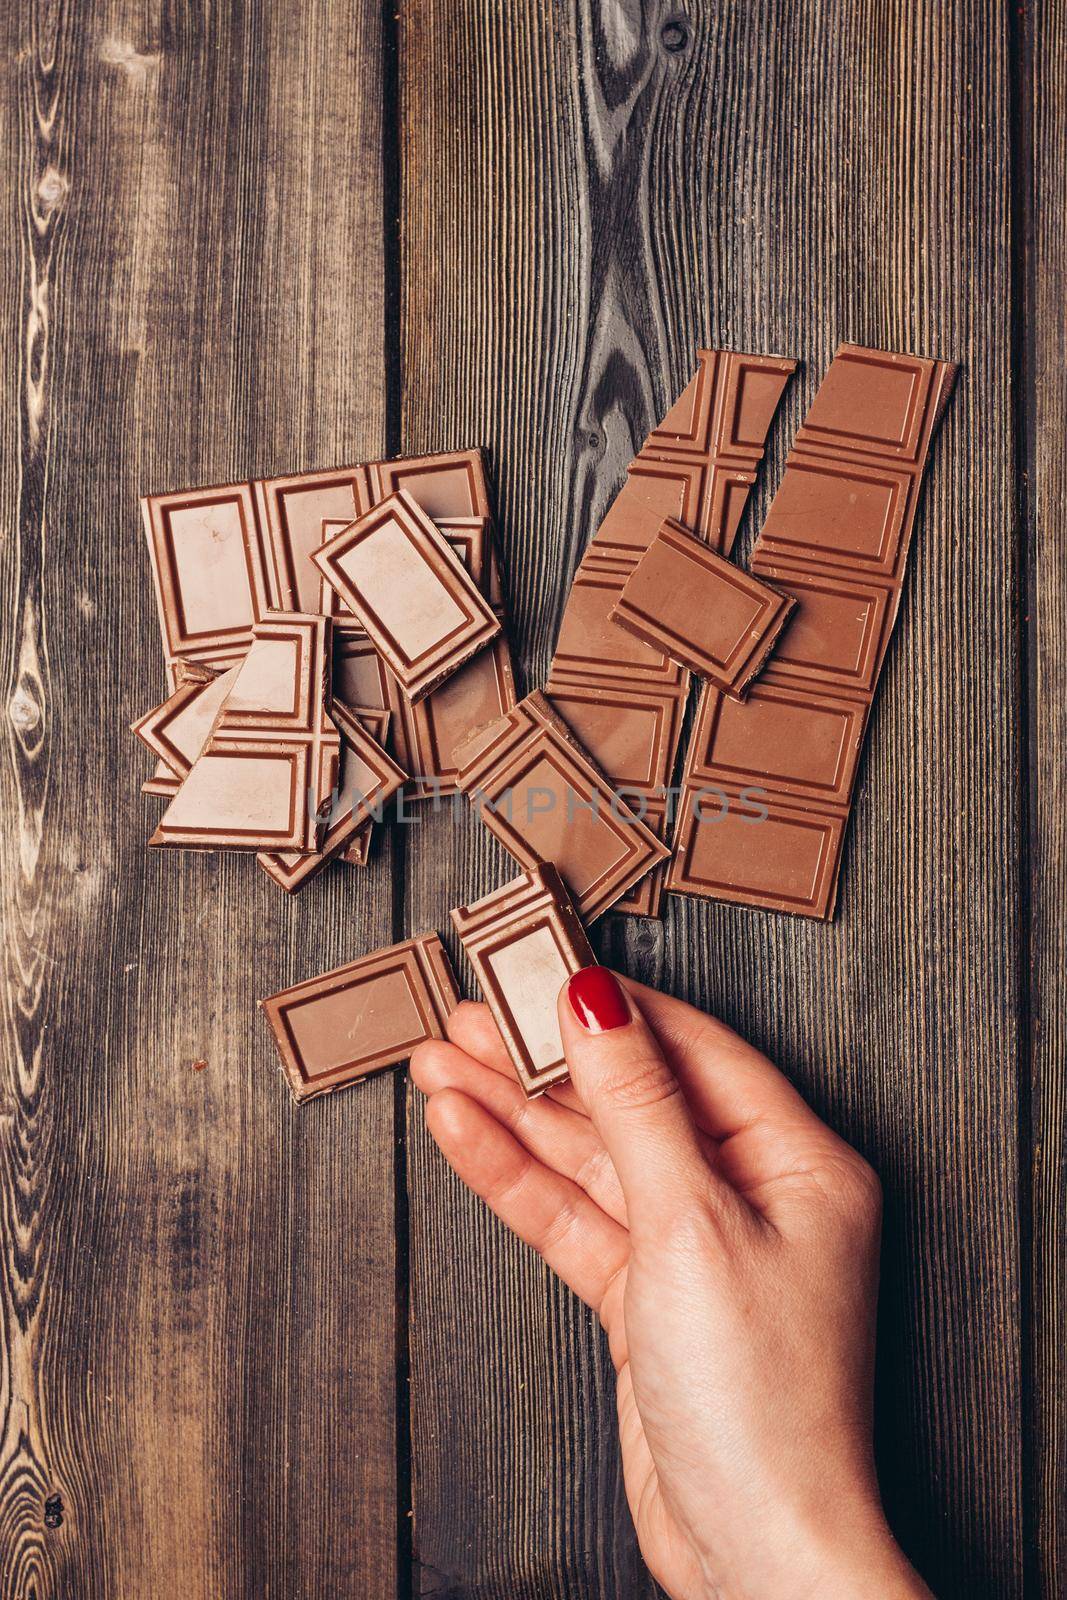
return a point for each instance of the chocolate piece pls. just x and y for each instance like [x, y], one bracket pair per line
[480, 692]
[368, 778]
[706, 613]
[357, 851]
[410, 592]
[337, 1029]
[450, 484]
[779, 769]
[360, 676]
[265, 777]
[208, 570]
[538, 790]
[292, 511]
[623, 697]
[177, 730]
[524, 941]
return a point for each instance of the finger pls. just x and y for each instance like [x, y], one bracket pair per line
[767, 1134]
[471, 1026]
[635, 1102]
[553, 1215]
[728, 1082]
[562, 1139]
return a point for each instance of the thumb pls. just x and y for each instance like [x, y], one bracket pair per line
[634, 1100]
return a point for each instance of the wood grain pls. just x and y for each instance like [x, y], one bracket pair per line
[205, 1295]
[193, 292]
[1041, 254]
[596, 196]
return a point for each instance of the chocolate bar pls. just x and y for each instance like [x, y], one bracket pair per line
[368, 778]
[410, 591]
[537, 789]
[623, 697]
[768, 782]
[265, 777]
[713, 617]
[337, 1029]
[208, 570]
[524, 941]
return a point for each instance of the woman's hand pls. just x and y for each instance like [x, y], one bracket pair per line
[728, 1241]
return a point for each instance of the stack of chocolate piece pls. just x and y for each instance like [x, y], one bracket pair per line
[334, 635]
[325, 635]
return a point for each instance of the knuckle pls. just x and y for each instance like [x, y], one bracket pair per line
[561, 1225]
[639, 1082]
[860, 1190]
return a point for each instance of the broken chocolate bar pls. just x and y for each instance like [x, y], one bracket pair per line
[768, 783]
[265, 778]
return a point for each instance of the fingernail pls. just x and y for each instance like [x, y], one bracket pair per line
[597, 1000]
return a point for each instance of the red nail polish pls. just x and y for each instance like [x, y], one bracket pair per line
[597, 1000]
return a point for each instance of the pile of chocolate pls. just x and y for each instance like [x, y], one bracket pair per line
[335, 637]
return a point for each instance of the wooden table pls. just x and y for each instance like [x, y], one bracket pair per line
[241, 1341]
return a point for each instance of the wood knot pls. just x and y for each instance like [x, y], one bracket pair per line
[53, 1511]
[674, 35]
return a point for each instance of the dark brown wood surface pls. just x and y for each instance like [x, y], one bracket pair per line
[249, 1350]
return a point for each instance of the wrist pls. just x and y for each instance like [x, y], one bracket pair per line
[858, 1559]
[854, 1564]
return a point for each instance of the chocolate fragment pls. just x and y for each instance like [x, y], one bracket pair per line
[368, 778]
[177, 730]
[524, 941]
[781, 767]
[708, 614]
[625, 698]
[409, 590]
[337, 1029]
[265, 777]
[537, 789]
[480, 692]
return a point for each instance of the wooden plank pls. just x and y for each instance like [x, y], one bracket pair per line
[589, 193]
[198, 1296]
[1041, 240]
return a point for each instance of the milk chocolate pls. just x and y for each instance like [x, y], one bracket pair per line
[291, 512]
[537, 789]
[448, 484]
[482, 690]
[710, 615]
[177, 730]
[368, 778]
[623, 697]
[401, 578]
[208, 570]
[337, 1029]
[265, 777]
[768, 783]
[524, 941]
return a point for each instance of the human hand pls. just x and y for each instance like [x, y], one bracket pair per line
[728, 1241]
